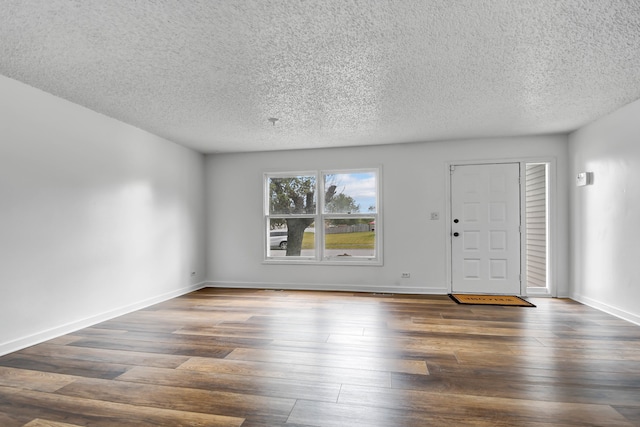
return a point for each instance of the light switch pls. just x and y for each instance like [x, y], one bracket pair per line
[584, 178]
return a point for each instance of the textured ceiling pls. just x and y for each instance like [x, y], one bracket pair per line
[210, 74]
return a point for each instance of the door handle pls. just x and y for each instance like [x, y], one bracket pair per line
[456, 234]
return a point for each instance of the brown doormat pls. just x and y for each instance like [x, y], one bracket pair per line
[507, 300]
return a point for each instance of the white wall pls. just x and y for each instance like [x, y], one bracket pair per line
[414, 184]
[604, 216]
[96, 217]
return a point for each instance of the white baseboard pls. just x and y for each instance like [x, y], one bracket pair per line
[538, 292]
[39, 337]
[328, 287]
[629, 317]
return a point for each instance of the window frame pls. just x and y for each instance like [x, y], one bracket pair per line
[319, 217]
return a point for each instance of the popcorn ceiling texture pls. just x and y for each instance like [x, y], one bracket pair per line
[210, 74]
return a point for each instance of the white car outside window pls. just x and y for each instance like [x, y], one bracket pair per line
[278, 239]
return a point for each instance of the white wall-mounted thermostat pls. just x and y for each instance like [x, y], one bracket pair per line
[584, 178]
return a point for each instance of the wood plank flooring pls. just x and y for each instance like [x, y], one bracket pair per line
[257, 358]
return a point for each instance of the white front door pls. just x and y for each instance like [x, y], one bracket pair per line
[485, 229]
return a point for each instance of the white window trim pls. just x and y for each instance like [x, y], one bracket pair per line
[319, 216]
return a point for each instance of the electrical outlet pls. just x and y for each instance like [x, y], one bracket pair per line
[405, 275]
[435, 216]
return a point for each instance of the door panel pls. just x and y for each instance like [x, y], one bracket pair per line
[485, 223]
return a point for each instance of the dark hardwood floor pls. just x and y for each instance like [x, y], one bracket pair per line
[222, 357]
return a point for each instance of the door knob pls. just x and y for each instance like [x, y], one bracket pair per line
[456, 234]
[456, 220]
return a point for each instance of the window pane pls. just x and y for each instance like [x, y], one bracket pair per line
[346, 237]
[291, 237]
[292, 195]
[350, 193]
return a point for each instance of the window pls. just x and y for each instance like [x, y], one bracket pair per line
[323, 217]
[537, 227]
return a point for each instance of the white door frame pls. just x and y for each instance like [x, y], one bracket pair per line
[551, 286]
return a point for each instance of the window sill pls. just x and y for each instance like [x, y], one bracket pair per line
[333, 262]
